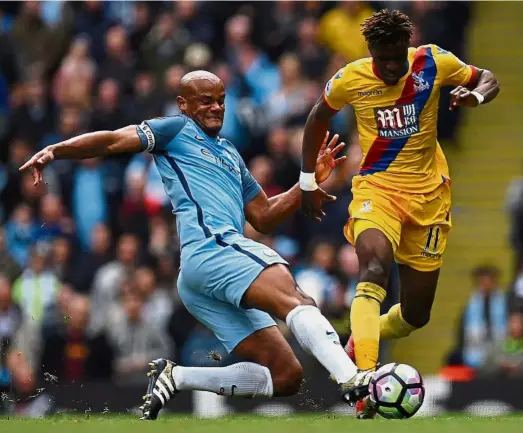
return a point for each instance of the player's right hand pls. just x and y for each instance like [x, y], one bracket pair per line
[311, 203]
[38, 162]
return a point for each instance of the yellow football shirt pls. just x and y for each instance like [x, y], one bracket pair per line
[397, 124]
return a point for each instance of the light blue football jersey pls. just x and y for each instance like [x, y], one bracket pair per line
[205, 177]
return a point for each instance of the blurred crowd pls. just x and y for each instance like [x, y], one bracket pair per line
[89, 260]
[489, 335]
[489, 338]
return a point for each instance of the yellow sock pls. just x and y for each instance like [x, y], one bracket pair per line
[393, 325]
[365, 323]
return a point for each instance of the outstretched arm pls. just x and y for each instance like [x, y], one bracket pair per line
[484, 90]
[315, 128]
[266, 214]
[86, 146]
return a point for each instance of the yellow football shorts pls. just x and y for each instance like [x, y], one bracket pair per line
[417, 225]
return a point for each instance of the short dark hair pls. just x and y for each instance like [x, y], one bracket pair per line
[485, 270]
[385, 27]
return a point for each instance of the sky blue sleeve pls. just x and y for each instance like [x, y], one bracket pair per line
[156, 134]
[250, 188]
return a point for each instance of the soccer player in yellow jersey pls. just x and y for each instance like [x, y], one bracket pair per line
[401, 204]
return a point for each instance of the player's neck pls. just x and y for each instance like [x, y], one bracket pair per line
[405, 71]
[210, 134]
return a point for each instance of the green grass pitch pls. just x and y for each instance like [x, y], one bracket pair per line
[258, 424]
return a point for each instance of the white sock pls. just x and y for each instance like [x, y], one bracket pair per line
[245, 379]
[317, 337]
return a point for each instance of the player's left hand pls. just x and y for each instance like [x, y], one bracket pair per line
[462, 97]
[327, 160]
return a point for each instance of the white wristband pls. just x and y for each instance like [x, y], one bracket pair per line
[308, 181]
[479, 97]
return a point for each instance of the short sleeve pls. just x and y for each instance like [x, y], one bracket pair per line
[335, 93]
[454, 72]
[250, 188]
[156, 134]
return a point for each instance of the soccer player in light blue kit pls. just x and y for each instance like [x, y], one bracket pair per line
[228, 282]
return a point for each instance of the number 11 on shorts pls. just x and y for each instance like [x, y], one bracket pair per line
[432, 239]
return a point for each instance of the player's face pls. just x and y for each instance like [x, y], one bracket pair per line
[390, 61]
[206, 106]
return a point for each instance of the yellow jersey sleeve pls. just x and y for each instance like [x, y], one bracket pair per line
[336, 93]
[452, 70]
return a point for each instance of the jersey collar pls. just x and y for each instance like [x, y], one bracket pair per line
[407, 71]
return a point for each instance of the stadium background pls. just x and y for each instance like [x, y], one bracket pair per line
[89, 260]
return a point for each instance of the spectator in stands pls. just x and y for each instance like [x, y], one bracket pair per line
[70, 123]
[32, 195]
[286, 170]
[157, 304]
[71, 353]
[506, 356]
[38, 42]
[133, 210]
[119, 62]
[143, 21]
[262, 170]
[8, 265]
[339, 184]
[62, 257]
[196, 19]
[111, 113]
[10, 321]
[279, 21]
[260, 75]
[141, 173]
[160, 240]
[516, 292]
[340, 30]
[89, 262]
[134, 341]
[54, 316]
[171, 79]
[92, 21]
[165, 44]
[316, 278]
[312, 56]
[483, 322]
[10, 194]
[514, 206]
[37, 288]
[89, 200]
[20, 233]
[34, 118]
[52, 220]
[73, 82]
[108, 278]
[292, 102]
[147, 100]
[167, 272]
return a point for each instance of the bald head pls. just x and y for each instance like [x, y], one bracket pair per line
[190, 81]
[202, 98]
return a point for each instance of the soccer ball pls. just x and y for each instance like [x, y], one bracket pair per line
[396, 391]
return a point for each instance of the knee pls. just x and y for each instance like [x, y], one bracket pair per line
[374, 269]
[297, 299]
[304, 299]
[287, 376]
[418, 318]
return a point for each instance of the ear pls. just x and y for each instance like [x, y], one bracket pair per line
[182, 104]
